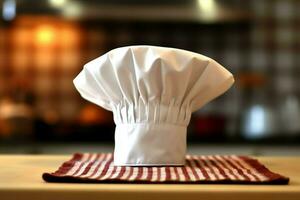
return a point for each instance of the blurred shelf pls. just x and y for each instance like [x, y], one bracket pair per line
[204, 149]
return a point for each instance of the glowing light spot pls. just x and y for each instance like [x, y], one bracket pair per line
[9, 10]
[207, 5]
[57, 3]
[45, 35]
[255, 122]
[207, 8]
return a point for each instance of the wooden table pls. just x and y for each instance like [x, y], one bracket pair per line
[20, 178]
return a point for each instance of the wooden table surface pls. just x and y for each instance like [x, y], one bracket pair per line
[21, 178]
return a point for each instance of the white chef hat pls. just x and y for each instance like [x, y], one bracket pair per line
[152, 92]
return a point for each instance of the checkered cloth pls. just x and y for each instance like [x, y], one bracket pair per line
[92, 167]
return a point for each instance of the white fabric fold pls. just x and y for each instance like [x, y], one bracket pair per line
[152, 92]
[149, 144]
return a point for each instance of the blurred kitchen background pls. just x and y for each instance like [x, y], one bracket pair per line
[44, 44]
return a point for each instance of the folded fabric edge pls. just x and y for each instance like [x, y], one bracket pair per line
[274, 177]
[51, 178]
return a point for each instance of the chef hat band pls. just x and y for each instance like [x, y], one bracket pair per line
[149, 144]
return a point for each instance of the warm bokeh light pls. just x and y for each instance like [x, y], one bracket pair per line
[21, 37]
[45, 35]
[69, 37]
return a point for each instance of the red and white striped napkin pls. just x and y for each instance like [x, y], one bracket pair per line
[95, 167]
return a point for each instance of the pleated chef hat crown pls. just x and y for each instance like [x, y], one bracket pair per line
[152, 92]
